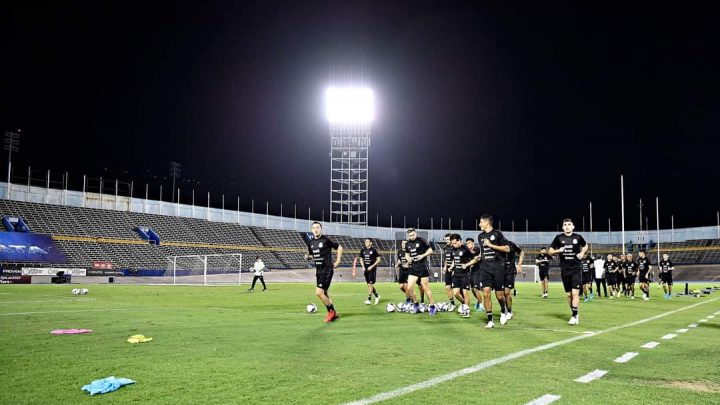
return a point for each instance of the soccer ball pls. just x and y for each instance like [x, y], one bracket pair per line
[390, 307]
[84, 291]
[423, 308]
[76, 291]
[400, 307]
[464, 310]
[311, 308]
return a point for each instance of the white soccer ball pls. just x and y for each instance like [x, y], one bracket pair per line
[76, 291]
[390, 307]
[84, 291]
[400, 307]
[423, 308]
[464, 310]
[311, 308]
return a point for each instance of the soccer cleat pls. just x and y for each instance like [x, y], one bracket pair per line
[592, 296]
[251, 289]
[573, 321]
[377, 299]
[489, 325]
[586, 299]
[644, 295]
[451, 308]
[632, 297]
[509, 316]
[414, 309]
[432, 310]
[544, 295]
[503, 319]
[646, 299]
[477, 306]
[331, 316]
[465, 314]
[367, 302]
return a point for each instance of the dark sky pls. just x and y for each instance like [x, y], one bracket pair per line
[524, 111]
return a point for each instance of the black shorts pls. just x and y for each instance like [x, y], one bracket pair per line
[611, 278]
[493, 278]
[419, 270]
[323, 279]
[403, 275]
[586, 277]
[643, 277]
[571, 279]
[510, 279]
[544, 274]
[370, 276]
[475, 281]
[666, 278]
[462, 282]
[448, 278]
[630, 279]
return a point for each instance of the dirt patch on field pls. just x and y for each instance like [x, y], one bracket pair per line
[699, 386]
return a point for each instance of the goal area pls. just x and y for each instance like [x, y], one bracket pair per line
[213, 269]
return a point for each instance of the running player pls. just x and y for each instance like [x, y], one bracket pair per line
[644, 274]
[611, 274]
[463, 259]
[370, 259]
[622, 268]
[402, 267]
[320, 250]
[666, 268]
[493, 247]
[543, 263]
[571, 247]
[588, 268]
[416, 252]
[448, 267]
[513, 264]
[631, 268]
[475, 273]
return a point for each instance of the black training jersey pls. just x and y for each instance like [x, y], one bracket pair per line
[490, 258]
[512, 257]
[631, 268]
[587, 264]
[665, 265]
[416, 248]
[643, 264]
[570, 246]
[401, 258]
[475, 252]
[461, 256]
[369, 256]
[448, 255]
[321, 251]
[544, 261]
[610, 266]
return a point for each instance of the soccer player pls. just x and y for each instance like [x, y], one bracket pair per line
[416, 252]
[611, 274]
[600, 275]
[258, 268]
[493, 248]
[448, 267]
[622, 268]
[320, 250]
[571, 247]
[666, 268]
[475, 273]
[370, 259]
[402, 267]
[644, 274]
[631, 268]
[543, 263]
[462, 259]
[513, 264]
[588, 268]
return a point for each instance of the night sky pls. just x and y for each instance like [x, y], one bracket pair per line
[522, 111]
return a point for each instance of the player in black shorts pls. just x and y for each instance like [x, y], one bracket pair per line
[571, 247]
[493, 248]
[416, 252]
[475, 274]
[644, 274]
[622, 268]
[630, 275]
[611, 274]
[370, 259]
[448, 270]
[462, 260]
[666, 268]
[588, 268]
[513, 264]
[320, 250]
[543, 263]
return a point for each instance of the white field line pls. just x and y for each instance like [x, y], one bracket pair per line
[650, 345]
[79, 310]
[561, 330]
[682, 330]
[383, 396]
[669, 336]
[703, 320]
[593, 375]
[35, 302]
[544, 400]
[626, 357]
[692, 325]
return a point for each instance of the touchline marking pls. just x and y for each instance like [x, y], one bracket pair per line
[593, 375]
[692, 325]
[711, 317]
[703, 320]
[561, 330]
[626, 357]
[650, 345]
[512, 356]
[682, 330]
[544, 400]
[669, 336]
[79, 310]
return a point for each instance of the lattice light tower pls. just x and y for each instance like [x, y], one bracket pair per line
[350, 112]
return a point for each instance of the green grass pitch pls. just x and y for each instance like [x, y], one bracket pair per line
[224, 345]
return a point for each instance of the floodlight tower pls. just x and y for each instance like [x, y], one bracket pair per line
[350, 112]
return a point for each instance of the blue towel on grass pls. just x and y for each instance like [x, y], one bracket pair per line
[106, 384]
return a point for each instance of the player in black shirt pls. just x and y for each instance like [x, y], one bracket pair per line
[462, 260]
[666, 268]
[644, 274]
[631, 268]
[320, 251]
[370, 259]
[448, 270]
[588, 268]
[543, 263]
[402, 267]
[571, 247]
[493, 248]
[610, 275]
[622, 268]
[416, 252]
[475, 274]
[513, 265]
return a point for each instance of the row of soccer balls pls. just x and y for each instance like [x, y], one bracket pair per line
[410, 308]
[80, 291]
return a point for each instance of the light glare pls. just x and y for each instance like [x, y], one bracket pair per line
[349, 105]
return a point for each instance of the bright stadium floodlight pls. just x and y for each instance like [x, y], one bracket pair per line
[349, 105]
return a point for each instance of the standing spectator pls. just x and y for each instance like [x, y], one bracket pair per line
[258, 268]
